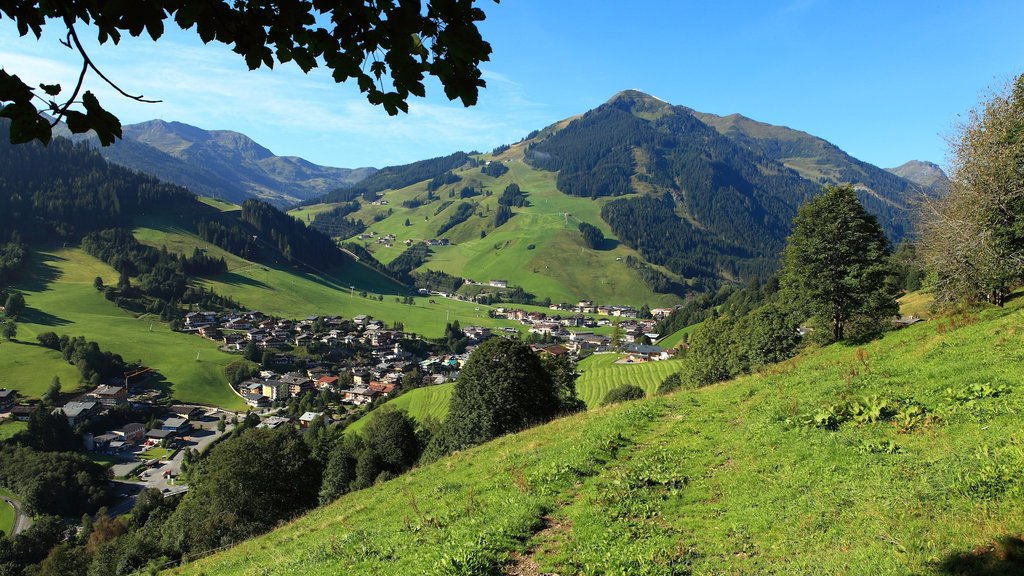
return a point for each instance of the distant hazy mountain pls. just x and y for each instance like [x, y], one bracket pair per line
[926, 174]
[224, 164]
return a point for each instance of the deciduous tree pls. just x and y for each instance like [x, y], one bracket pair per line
[836, 263]
[972, 240]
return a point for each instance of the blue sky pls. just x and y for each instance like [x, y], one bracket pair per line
[885, 81]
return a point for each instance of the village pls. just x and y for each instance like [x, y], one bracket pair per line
[336, 369]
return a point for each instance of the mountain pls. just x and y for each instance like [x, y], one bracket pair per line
[926, 174]
[223, 164]
[685, 201]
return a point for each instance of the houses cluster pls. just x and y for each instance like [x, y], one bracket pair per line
[355, 386]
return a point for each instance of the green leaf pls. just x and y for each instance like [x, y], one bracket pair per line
[12, 89]
[51, 89]
[106, 125]
[77, 122]
[26, 123]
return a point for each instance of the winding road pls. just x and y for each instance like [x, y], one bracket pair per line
[21, 520]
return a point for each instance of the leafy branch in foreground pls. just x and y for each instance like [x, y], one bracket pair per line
[387, 47]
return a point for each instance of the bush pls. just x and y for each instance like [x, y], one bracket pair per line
[670, 384]
[623, 393]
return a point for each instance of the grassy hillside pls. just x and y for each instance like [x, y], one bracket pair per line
[599, 374]
[6, 517]
[539, 248]
[292, 293]
[61, 299]
[717, 480]
[429, 401]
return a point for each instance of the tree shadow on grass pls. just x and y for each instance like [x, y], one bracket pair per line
[40, 273]
[1004, 557]
[36, 316]
[233, 279]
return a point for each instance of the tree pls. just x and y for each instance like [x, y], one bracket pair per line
[836, 262]
[245, 486]
[387, 47]
[53, 392]
[14, 305]
[972, 240]
[9, 330]
[562, 370]
[392, 435]
[503, 388]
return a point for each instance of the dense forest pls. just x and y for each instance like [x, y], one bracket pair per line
[296, 242]
[395, 177]
[334, 222]
[67, 190]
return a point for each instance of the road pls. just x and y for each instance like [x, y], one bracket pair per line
[22, 521]
[204, 433]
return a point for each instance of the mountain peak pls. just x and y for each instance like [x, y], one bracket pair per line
[637, 102]
[927, 174]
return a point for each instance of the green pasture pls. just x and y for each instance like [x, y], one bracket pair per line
[9, 428]
[420, 403]
[599, 373]
[6, 517]
[61, 299]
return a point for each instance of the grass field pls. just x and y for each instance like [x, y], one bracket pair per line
[156, 453]
[539, 248]
[9, 428]
[917, 304]
[294, 293]
[6, 517]
[429, 401]
[673, 340]
[599, 374]
[61, 299]
[717, 480]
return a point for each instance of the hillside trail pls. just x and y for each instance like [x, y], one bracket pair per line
[556, 526]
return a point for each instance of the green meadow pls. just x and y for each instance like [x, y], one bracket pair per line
[9, 428]
[599, 373]
[734, 478]
[539, 248]
[6, 517]
[420, 403]
[61, 299]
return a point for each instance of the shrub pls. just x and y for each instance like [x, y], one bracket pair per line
[623, 393]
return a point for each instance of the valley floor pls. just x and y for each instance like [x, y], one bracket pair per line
[724, 479]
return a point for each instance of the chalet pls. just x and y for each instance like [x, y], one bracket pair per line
[109, 443]
[269, 343]
[187, 412]
[358, 395]
[250, 387]
[308, 418]
[273, 422]
[7, 398]
[550, 350]
[498, 283]
[297, 383]
[477, 333]
[132, 433]
[78, 412]
[361, 377]
[237, 324]
[109, 395]
[230, 339]
[179, 426]
[381, 388]
[661, 312]
[255, 400]
[158, 435]
[302, 339]
[328, 382]
[360, 319]
[22, 413]
[211, 332]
